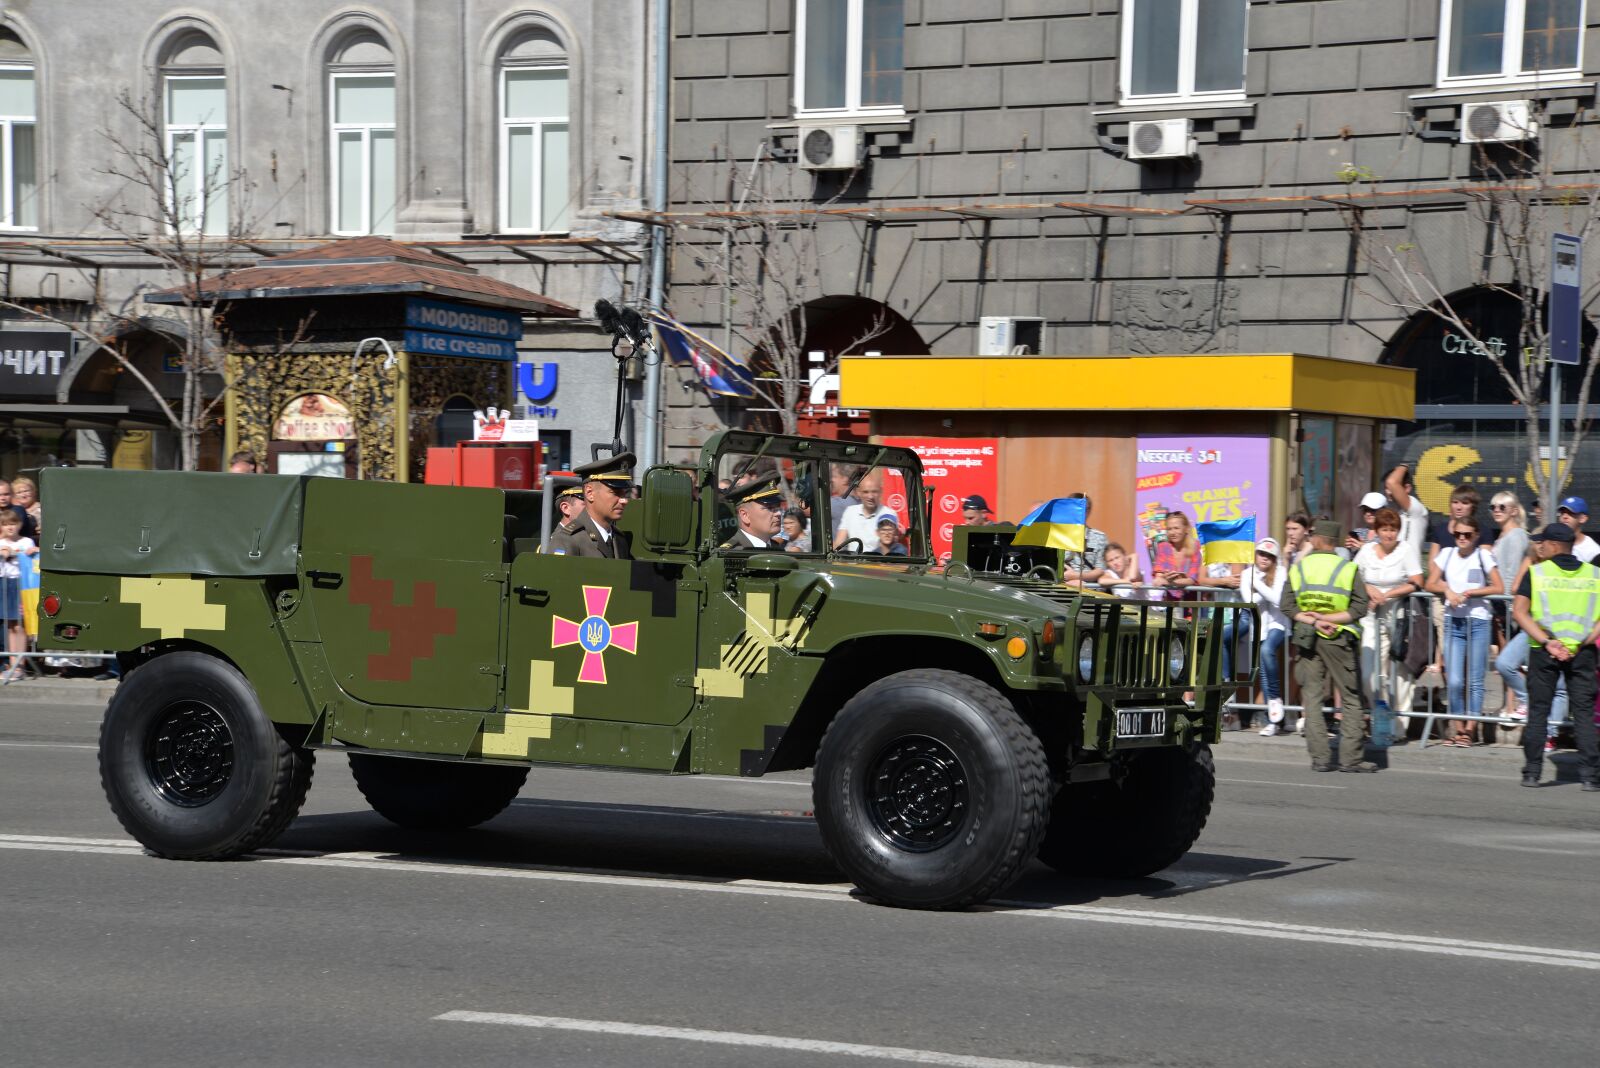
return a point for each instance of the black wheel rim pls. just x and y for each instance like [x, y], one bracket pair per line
[917, 793]
[190, 754]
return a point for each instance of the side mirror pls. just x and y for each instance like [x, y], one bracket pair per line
[669, 510]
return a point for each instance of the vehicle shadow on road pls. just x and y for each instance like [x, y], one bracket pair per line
[1195, 873]
[773, 845]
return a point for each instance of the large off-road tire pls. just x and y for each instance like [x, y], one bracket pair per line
[1135, 827]
[930, 790]
[432, 795]
[192, 765]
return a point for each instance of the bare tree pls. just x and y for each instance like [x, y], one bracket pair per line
[192, 218]
[1514, 209]
[764, 248]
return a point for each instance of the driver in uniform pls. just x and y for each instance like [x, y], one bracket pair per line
[759, 507]
[607, 488]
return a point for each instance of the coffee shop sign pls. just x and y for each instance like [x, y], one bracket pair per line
[1457, 345]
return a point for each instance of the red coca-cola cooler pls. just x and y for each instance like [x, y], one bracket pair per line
[484, 463]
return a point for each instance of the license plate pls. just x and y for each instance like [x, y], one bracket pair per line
[1142, 723]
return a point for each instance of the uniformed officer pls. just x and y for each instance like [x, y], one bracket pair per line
[1558, 607]
[607, 488]
[1324, 597]
[570, 502]
[759, 507]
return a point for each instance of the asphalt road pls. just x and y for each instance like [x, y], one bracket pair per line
[1434, 914]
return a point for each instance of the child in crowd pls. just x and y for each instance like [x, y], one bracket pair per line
[889, 537]
[13, 545]
[1122, 571]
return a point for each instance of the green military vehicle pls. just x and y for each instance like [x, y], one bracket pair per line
[960, 722]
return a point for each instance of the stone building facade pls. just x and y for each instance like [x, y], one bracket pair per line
[493, 131]
[997, 176]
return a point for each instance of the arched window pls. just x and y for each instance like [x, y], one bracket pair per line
[361, 150]
[194, 117]
[19, 167]
[535, 132]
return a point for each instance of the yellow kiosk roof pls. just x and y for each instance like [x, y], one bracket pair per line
[1263, 382]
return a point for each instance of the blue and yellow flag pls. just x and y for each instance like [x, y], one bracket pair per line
[1229, 542]
[1059, 524]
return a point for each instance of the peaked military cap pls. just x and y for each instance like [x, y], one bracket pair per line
[760, 492]
[569, 491]
[612, 469]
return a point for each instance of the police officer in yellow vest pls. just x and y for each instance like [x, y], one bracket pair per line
[1325, 597]
[1558, 607]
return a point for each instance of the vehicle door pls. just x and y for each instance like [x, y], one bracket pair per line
[601, 639]
[405, 583]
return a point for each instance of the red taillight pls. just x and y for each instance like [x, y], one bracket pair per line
[51, 605]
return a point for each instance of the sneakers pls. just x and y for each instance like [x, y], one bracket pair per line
[1271, 730]
[1517, 715]
[1530, 778]
[1300, 725]
[1590, 787]
[1359, 766]
[1549, 745]
[1274, 710]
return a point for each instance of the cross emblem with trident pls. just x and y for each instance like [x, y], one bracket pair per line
[594, 635]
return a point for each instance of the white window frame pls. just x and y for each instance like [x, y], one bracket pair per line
[854, 28]
[1188, 22]
[1511, 72]
[8, 210]
[537, 125]
[366, 130]
[170, 130]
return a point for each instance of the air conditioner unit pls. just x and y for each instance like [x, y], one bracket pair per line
[1009, 335]
[830, 148]
[1498, 121]
[1161, 139]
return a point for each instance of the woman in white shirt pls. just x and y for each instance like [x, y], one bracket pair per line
[1464, 575]
[1391, 569]
[1262, 585]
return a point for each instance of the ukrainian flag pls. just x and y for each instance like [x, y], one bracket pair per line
[1059, 524]
[1229, 542]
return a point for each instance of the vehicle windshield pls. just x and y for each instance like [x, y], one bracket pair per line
[811, 506]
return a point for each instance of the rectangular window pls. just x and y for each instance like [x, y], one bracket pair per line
[19, 174]
[1487, 41]
[196, 123]
[535, 182]
[849, 56]
[1176, 51]
[362, 154]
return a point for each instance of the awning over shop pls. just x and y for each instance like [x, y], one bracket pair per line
[80, 417]
[1266, 382]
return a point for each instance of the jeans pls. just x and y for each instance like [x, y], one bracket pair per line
[1240, 628]
[1466, 659]
[1509, 664]
[1272, 664]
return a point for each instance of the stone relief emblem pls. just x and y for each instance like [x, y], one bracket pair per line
[1172, 317]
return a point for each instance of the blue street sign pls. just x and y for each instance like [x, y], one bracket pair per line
[1566, 299]
[476, 348]
[442, 318]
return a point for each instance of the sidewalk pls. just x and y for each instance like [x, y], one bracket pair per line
[58, 690]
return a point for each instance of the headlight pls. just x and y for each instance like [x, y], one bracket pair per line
[1086, 658]
[1177, 657]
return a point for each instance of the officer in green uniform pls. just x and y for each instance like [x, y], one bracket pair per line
[607, 488]
[1558, 607]
[1324, 596]
[759, 508]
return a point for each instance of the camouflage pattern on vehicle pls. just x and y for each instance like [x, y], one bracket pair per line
[960, 722]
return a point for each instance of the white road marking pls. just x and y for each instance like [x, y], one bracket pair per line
[47, 745]
[738, 1038]
[1513, 769]
[1270, 782]
[1540, 955]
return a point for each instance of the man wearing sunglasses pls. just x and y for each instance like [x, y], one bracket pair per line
[607, 489]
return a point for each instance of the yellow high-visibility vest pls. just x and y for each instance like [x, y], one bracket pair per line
[1566, 603]
[1323, 583]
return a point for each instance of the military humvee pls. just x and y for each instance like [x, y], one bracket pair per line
[959, 722]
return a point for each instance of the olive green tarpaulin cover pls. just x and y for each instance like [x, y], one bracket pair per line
[169, 522]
